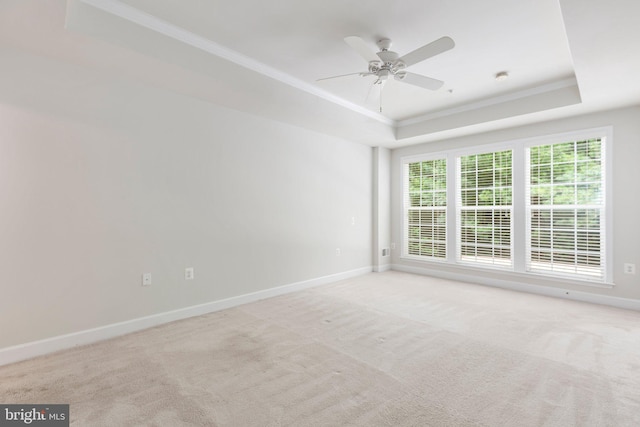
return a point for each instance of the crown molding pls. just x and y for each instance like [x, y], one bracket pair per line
[122, 10]
[520, 94]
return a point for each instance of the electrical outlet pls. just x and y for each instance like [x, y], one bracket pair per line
[146, 279]
[189, 273]
[629, 268]
[353, 220]
[338, 251]
[393, 245]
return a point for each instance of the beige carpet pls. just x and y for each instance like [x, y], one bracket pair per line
[386, 349]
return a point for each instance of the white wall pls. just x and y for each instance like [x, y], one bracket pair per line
[626, 202]
[102, 184]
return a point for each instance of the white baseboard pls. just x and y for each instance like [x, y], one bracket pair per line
[629, 304]
[61, 342]
[381, 268]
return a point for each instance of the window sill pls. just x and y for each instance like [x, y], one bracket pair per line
[507, 273]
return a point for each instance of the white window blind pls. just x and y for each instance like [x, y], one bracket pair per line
[536, 206]
[566, 209]
[426, 208]
[484, 209]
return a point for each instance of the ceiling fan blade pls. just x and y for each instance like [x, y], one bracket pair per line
[443, 44]
[361, 47]
[419, 80]
[343, 75]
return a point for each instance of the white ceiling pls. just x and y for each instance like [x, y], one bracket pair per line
[564, 57]
[305, 39]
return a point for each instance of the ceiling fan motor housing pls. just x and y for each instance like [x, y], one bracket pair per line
[389, 57]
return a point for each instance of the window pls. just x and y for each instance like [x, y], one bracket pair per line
[566, 208]
[485, 208]
[536, 206]
[426, 208]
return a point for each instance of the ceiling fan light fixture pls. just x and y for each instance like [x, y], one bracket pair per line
[502, 76]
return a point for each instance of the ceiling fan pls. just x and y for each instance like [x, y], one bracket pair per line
[387, 63]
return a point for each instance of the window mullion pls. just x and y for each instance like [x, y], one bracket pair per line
[452, 197]
[520, 215]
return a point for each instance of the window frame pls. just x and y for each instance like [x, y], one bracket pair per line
[520, 229]
[406, 206]
[606, 135]
[459, 208]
